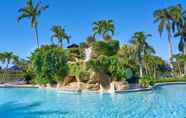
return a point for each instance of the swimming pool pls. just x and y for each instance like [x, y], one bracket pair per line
[168, 101]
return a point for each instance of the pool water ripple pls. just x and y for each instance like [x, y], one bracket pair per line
[168, 101]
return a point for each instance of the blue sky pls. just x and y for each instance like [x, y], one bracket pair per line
[77, 16]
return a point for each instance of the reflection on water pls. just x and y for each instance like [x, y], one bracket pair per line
[161, 102]
[19, 110]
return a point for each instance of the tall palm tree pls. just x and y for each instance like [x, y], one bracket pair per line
[182, 44]
[164, 19]
[179, 23]
[103, 28]
[177, 16]
[2, 57]
[7, 58]
[59, 34]
[31, 12]
[141, 47]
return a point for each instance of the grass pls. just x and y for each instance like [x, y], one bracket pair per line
[171, 80]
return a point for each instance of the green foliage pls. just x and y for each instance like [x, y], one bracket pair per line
[75, 54]
[183, 79]
[60, 34]
[141, 46]
[100, 64]
[153, 65]
[31, 11]
[106, 48]
[79, 70]
[127, 57]
[111, 66]
[116, 69]
[103, 28]
[26, 67]
[84, 76]
[50, 64]
[146, 82]
[178, 64]
[10, 76]
[8, 58]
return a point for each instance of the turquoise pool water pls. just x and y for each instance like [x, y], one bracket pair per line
[167, 101]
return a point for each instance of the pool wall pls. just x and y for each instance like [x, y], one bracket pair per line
[71, 91]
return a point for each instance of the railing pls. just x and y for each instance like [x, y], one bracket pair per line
[10, 76]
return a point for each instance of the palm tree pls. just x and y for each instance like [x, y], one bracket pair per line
[177, 16]
[9, 57]
[164, 19]
[31, 12]
[2, 58]
[141, 47]
[182, 43]
[179, 20]
[153, 65]
[90, 39]
[179, 63]
[103, 28]
[59, 34]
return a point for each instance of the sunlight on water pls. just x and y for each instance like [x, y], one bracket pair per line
[162, 102]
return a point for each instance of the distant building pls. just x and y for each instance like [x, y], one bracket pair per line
[15, 69]
[73, 46]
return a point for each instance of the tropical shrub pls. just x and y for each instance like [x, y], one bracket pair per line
[153, 65]
[169, 79]
[84, 76]
[26, 67]
[75, 53]
[50, 64]
[146, 82]
[110, 66]
[78, 69]
[116, 69]
[126, 57]
[106, 48]
[100, 64]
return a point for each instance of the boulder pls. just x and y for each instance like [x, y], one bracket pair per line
[48, 86]
[101, 78]
[93, 87]
[75, 86]
[119, 86]
[68, 80]
[93, 78]
[104, 80]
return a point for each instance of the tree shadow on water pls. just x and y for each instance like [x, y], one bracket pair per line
[17, 110]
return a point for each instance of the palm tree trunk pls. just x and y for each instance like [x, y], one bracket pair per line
[141, 71]
[179, 69]
[37, 35]
[61, 43]
[7, 65]
[155, 77]
[170, 49]
[52, 41]
[184, 52]
[146, 69]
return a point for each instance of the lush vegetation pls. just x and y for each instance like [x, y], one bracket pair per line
[146, 82]
[132, 62]
[50, 64]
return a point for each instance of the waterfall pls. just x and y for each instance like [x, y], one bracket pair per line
[111, 89]
[88, 54]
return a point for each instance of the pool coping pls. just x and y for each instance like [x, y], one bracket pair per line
[123, 91]
[18, 86]
[150, 88]
[86, 91]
